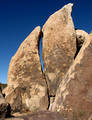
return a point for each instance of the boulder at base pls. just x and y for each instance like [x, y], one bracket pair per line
[27, 90]
[59, 46]
[74, 94]
[45, 115]
[5, 109]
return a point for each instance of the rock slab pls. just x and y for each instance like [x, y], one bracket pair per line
[75, 91]
[27, 90]
[59, 46]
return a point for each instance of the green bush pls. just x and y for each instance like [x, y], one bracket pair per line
[3, 86]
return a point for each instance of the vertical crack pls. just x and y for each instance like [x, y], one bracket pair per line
[40, 51]
[46, 80]
[42, 67]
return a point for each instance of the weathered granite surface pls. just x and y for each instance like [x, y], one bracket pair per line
[59, 46]
[75, 91]
[27, 89]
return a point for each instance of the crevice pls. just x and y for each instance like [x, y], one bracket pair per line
[78, 46]
[48, 92]
[45, 78]
[77, 49]
[42, 66]
[40, 51]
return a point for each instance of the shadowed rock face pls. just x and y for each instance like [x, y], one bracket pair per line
[5, 109]
[75, 91]
[26, 86]
[81, 36]
[45, 115]
[59, 46]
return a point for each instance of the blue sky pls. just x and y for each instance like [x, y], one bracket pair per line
[19, 17]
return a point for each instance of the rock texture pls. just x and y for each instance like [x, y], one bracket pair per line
[5, 109]
[26, 87]
[45, 115]
[75, 91]
[59, 46]
[81, 36]
[28, 97]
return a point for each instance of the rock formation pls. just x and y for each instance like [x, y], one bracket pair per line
[59, 46]
[27, 90]
[81, 36]
[67, 76]
[75, 91]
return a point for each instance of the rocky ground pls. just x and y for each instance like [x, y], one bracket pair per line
[63, 91]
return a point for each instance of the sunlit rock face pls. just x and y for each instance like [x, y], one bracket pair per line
[26, 61]
[28, 96]
[27, 90]
[74, 94]
[59, 46]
